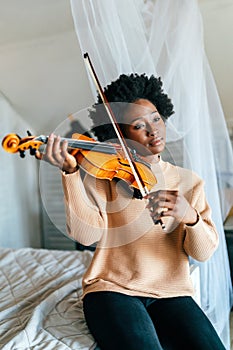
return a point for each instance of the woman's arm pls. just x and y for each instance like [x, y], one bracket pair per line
[201, 239]
[84, 206]
[192, 212]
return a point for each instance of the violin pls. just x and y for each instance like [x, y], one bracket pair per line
[99, 159]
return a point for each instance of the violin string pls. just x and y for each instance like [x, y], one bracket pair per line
[89, 145]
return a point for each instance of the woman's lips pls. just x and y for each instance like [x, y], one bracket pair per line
[156, 141]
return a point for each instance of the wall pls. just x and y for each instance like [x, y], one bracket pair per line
[218, 27]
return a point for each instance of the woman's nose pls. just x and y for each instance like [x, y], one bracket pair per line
[152, 130]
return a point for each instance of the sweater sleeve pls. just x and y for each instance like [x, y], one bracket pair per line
[201, 239]
[85, 211]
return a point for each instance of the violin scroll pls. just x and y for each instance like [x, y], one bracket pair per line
[13, 143]
[10, 143]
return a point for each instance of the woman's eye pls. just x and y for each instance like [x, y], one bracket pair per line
[139, 126]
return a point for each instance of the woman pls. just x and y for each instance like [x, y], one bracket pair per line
[137, 291]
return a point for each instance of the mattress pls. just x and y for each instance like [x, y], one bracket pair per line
[40, 300]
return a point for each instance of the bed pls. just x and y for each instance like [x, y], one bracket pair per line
[40, 299]
[40, 304]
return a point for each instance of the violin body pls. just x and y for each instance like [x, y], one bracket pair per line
[101, 160]
[106, 166]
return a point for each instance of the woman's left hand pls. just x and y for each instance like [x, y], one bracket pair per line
[164, 203]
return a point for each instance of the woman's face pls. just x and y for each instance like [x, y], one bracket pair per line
[145, 128]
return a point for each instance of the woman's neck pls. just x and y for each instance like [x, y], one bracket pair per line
[152, 159]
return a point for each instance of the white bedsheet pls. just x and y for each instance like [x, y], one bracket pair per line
[40, 304]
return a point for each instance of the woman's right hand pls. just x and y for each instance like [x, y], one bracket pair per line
[56, 154]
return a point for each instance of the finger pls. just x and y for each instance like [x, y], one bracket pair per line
[166, 212]
[168, 194]
[172, 192]
[48, 155]
[65, 154]
[49, 147]
[162, 200]
[56, 157]
[151, 202]
[69, 159]
[38, 155]
[151, 195]
[64, 147]
[56, 149]
[162, 195]
[159, 209]
[167, 197]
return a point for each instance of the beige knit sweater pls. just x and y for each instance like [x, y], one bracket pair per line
[133, 255]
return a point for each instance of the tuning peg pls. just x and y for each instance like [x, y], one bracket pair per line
[32, 151]
[22, 154]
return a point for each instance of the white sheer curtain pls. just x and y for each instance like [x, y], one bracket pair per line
[165, 38]
[19, 196]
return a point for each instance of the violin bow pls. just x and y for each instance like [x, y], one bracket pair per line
[142, 188]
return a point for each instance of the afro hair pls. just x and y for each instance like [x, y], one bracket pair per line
[128, 89]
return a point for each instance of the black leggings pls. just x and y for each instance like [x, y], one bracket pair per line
[123, 322]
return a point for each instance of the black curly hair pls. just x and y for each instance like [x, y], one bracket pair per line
[128, 89]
